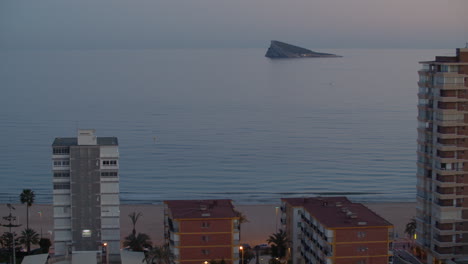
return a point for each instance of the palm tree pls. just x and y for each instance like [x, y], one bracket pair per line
[410, 228]
[134, 218]
[137, 242]
[159, 255]
[278, 242]
[28, 237]
[27, 197]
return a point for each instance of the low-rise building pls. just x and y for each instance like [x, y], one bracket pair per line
[202, 230]
[334, 230]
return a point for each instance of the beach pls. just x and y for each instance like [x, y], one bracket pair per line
[262, 219]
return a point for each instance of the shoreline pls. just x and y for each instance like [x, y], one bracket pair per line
[262, 219]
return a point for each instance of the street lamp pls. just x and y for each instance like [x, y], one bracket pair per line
[40, 220]
[105, 251]
[206, 262]
[276, 210]
[242, 254]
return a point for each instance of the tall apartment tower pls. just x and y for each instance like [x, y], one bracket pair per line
[86, 194]
[442, 166]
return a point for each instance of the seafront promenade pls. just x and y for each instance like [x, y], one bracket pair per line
[262, 219]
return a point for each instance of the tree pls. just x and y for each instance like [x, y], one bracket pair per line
[45, 244]
[137, 242]
[410, 228]
[28, 237]
[159, 255]
[278, 242]
[6, 240]
[27, 197]
[134, 218]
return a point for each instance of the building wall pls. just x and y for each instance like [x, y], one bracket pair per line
[201, 254]
[61, 200]
[362, 234]
[206, 239]
[363, 260]
[441, 169]
[206, 225]
[85, 197]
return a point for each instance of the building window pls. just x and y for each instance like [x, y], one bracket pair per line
[205, 224]
[61, 186]
[86, 233]
[109, 174]
[205, 252]
[361, 234]
[205, 238]
[362, 249]
[61, 174]
[109, 162]
[61, 163]
[61, 151]
[361, 261]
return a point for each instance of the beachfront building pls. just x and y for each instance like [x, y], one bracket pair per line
[334, 230]
[442, 166]
[198, 231]
[86, 194]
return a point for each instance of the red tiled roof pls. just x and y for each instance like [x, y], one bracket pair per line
[336, 212]
[203, 209]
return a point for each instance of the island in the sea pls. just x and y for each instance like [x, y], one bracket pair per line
[280, 49]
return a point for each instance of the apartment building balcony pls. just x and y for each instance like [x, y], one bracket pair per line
[449, 99]
[446, 181]
[445, 196]
[444, 228]
[425, 84]
[449, 147]
[425, 95]
[445, 206]
[449, 123]
[445, 172]
[443, 252]
[448, 86]
[452, 135]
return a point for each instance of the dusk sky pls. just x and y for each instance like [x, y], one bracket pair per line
[116, 24]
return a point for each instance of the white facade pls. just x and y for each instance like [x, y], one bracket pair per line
[66, 174]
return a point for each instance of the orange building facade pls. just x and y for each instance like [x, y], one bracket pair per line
[202, 230]
[334, 230]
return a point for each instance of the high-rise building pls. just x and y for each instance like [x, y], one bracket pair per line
[334, 230]
[442, 165]
[86, 194]
[199, 231]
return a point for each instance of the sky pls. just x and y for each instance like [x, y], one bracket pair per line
[152, 24]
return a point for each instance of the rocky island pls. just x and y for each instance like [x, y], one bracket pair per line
[280, 49]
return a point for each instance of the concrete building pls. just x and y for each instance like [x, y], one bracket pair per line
[202, 230]
[442, 204]
[86, 194]
[333, 230]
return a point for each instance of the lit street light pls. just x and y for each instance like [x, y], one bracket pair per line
[242, 254]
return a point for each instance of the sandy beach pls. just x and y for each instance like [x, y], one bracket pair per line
[262, 219]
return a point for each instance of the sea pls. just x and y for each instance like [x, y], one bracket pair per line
[218, 123]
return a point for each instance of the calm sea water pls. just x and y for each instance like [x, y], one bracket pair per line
[196, 124]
